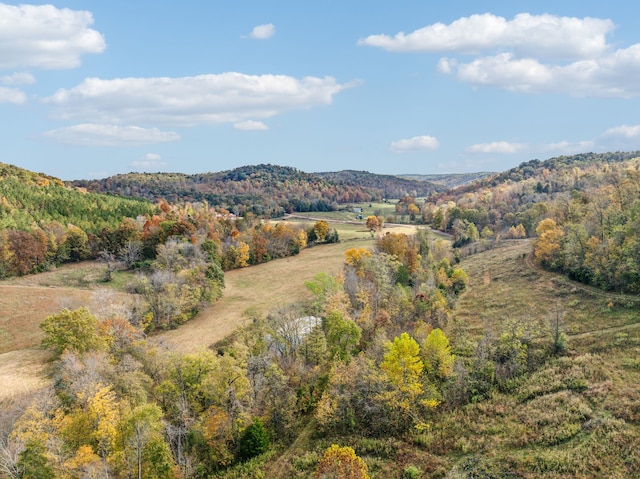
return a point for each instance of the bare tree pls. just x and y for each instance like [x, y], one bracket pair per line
[130, 253]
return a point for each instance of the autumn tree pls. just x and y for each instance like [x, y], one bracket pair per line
[547, 247]
[403, 368]
[71, 329]
[341, 463]
[437, 356]
[372, 223]
[321, 229]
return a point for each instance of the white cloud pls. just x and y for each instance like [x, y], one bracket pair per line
[150, 161]
[18, 79]
[417, 143]
[205, 99]
[623, 137]
[526, 34]
[92, 134]
[250, 125]
[623, 131]
[568, 147]
[263, 32]
[528, 54]
[495, 147]
[46, 37]
[12, 95]
[611, 76]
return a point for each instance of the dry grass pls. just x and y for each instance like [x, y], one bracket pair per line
[22, 372]
[25, 307]
[504, 286]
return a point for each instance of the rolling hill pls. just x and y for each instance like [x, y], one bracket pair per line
[262, 189]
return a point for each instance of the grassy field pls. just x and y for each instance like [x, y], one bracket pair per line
[348, 214]
[506, 286]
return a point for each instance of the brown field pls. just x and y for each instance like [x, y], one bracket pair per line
[22, 372]
[24, 307]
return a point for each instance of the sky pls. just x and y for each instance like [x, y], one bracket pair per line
[89, 89]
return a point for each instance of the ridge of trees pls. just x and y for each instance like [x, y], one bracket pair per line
[264, 190]
[449, 180]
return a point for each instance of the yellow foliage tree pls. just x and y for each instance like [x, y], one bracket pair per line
[341, 463]
[547, 247]
[356, 256]
[403, 367]
[436, 352]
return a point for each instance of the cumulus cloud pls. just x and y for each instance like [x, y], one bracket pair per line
[539, 35]
[528, 54]
[495, 147]
[12, 95]
[45, 37]
[623, 131]
[205, 99]
[150, 161]
[92, 134]
[250, 125]
[611, 76]
[18, 79]
[623, 137]
[417, 143]
[263, 32]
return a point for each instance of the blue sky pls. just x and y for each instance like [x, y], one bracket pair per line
[91, 89]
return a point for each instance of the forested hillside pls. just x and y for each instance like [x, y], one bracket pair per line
[264, 190]
[44, 223]
[28, 199]
[390, 186]
[590, 205]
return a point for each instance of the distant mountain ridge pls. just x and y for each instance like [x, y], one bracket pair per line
[262, 189]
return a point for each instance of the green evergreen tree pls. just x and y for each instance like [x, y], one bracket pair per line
[254, 441]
